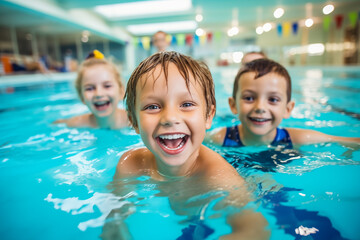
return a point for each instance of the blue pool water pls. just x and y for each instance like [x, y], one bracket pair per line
[55, 182]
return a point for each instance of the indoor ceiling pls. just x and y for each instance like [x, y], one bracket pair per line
[217, 15]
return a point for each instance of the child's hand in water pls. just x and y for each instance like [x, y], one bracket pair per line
[351, 147]
[247, 225]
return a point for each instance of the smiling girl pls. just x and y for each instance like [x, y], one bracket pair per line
[99, 87]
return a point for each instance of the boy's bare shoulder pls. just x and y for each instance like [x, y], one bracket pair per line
[216, 136]
[215, 163]
[134, 162]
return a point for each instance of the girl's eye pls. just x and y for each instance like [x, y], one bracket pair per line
[108, 86]
[89, 88]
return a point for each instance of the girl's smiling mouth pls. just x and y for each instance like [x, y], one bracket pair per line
[102, 105]
[172, 143]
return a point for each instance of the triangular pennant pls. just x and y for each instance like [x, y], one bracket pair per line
[203, 39]
[180, 39]
[135, 41]
[173, 40]
[189, 39]
[168, 38]
[218, 36]
[209, 37]
[295, 27]
[353, 16]
[326, 23]
[146, 42]
[196, 39]
[286, 28]
[339, 20]
[279, 29]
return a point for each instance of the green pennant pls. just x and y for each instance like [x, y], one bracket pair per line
[326, 23]
[353, 18]
[180, 39]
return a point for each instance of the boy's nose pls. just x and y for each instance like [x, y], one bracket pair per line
[260, 106]
[169, 117]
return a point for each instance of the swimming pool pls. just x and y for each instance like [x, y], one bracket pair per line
[56, 181]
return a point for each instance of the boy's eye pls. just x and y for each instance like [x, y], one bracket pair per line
[274, 100]
[187, 104]
[152, 107]
[248, 98]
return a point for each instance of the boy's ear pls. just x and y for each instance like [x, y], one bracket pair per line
[232, 105]
[289, 107]
[210, 117]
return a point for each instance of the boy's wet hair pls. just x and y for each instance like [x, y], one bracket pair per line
[262, 67]
[187, 67]
[90, 62]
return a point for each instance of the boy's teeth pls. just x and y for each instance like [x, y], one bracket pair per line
[173, 136]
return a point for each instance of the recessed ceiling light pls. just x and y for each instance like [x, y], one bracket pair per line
[278, 13]
[143, 8]
[328, 9]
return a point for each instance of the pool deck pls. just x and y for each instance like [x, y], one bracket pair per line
[37, 78]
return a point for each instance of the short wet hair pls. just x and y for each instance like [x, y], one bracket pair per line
[90, 63]
[262, 67]
[187, 67]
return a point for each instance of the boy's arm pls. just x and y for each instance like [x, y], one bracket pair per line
[246, 224]
[216, 136]
[305, 136]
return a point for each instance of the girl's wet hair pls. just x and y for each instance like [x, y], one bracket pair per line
[262, 67]
[92, 61]
[187, 67]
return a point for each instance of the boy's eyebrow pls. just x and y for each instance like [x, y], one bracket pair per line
[154, 96]
[250, 91]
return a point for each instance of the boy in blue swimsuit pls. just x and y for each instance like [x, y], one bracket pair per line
[262, 98]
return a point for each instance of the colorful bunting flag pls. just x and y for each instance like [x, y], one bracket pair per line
[189, 39]
[279, 29]
[295, 27]
[286, 28]
[173, 40]
[168, 38]
[339, 20]
[326, 23]
[353, 16]
[180, 39]
[196, 39]
[202, 39]
[146, 42]
[209, 37]
[218, 36]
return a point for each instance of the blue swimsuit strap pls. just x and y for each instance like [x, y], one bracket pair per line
[282, 137]
[232, 138]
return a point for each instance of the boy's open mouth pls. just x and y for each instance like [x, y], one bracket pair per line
[259, 120]
[172, 143]
[101, 106]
